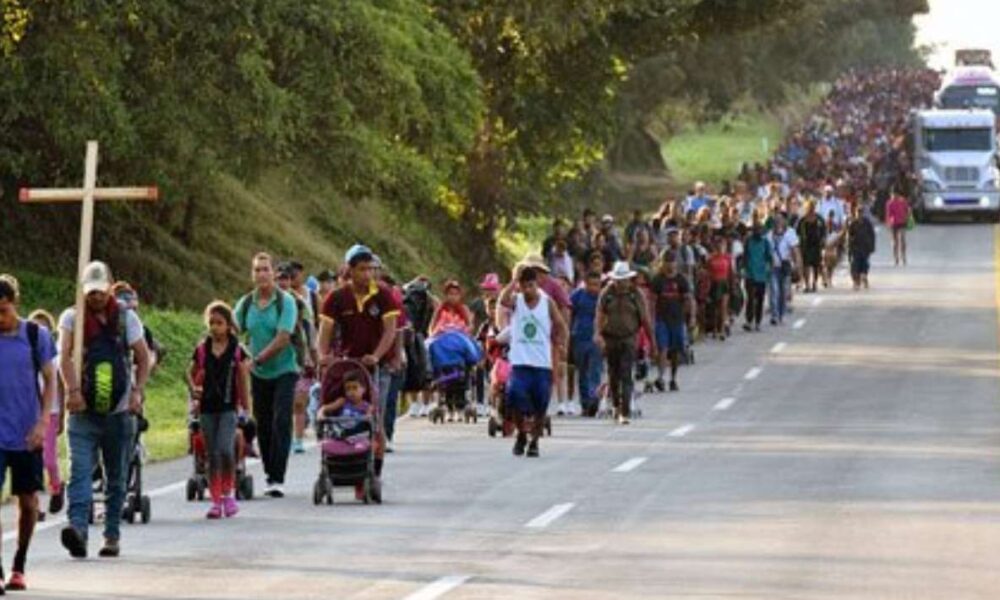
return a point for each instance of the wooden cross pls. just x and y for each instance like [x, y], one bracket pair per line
[87, 195]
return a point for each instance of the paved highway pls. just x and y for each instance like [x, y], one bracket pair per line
[853, 453]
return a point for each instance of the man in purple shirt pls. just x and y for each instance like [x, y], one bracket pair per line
[27, 391]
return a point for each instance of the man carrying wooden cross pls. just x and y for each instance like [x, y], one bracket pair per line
[101, 404]
[97, 352]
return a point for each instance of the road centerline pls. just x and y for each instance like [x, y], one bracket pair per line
[630, 464]
[438, 587]
[753, 373]
[550, 516]
[724, 404]
[799, 324]
[682, 431]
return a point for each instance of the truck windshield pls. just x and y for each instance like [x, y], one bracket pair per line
[972, 96]
[957, 140]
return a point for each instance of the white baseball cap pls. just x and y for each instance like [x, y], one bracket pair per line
[96, 278]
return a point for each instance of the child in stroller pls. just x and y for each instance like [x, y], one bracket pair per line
[347, 427]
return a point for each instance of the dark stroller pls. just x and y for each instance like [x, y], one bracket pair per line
[197, 483]
[137, 504]
[348, 445]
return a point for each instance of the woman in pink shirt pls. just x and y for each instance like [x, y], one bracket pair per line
[897, 215]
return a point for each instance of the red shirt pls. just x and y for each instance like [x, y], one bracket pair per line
[361, 320]
[719, 267]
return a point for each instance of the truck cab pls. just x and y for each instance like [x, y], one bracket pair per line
[969, 87]
[955, 157]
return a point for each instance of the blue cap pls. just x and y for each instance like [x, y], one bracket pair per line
[312, 283]
[358, 252]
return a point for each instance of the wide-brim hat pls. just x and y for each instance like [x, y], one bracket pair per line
[621, 271]
[534, 261]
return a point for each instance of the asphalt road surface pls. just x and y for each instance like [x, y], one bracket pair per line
[852, 453]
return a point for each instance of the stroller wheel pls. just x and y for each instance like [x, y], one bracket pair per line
[491, 427]
[318, 493]
[192, 490]
[146, 508]
[246, 487]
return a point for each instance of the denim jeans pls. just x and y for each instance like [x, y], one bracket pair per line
[779, 294]
[589, 367]
[272, 408]
[392, 402]
[112, 435]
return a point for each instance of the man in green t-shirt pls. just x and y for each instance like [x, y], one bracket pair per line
[267, 317]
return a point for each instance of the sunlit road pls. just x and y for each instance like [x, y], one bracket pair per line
[852, 453]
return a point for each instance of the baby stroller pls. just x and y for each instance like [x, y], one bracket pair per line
[348, 445]
[197, 483]
[137, 504]
[453, 355]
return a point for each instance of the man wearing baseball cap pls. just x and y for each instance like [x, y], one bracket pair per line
[367, 314]
[102, 404]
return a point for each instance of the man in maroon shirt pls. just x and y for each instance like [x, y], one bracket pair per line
[366, 313]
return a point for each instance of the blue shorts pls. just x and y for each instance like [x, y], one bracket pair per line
[529, 390]
[860, 265]
[671, 337]
[25, 471]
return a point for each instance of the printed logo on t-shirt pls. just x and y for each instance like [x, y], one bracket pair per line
[529, 331]
[374, 310]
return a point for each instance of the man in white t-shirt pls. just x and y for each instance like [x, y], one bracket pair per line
[830, 203]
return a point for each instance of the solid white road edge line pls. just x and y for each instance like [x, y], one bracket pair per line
[548, 517]
[439, 587]
[629, 465]
[753, 373]
[724, 404]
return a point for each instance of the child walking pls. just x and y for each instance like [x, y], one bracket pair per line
[218, 378]
[57, 417]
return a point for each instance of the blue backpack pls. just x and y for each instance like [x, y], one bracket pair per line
[107, 362]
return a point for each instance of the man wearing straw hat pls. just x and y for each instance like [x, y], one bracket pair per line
[621, 313]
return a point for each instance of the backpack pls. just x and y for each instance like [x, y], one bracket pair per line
[32, 330]
[623, 314]
[238, 356]
[299, 333]
[419, 310]
[107, 366]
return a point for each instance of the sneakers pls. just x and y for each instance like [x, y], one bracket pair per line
[519, 444]
[215, 512]
[298, 447]
[660, 385]
[16, 582]
[533, 448]
[561, 411]
[623, 420]
[111, 549]
[572, 408]
[274, 490]
[229, 507]
[673, 386]
[747, 327]
[425, 409]
[414, 410]
[57, 499]
[74, 541]
[389, 447]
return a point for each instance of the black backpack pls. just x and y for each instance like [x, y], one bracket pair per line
[33, 328]
[418, 307]
[107, 365]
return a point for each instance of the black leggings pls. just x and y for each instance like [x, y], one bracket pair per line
[755, 301]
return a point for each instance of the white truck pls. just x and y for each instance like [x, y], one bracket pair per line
[955, 156]
[969, 87]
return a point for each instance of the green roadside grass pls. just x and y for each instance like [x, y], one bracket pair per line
[716, 151]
